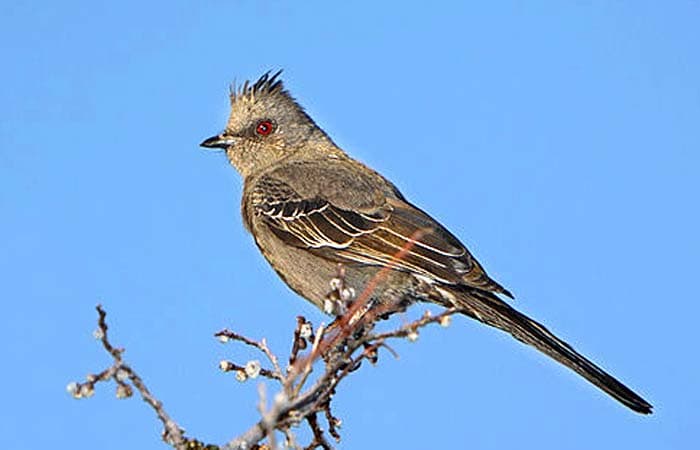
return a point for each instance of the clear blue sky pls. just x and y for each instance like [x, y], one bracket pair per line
[559, 140]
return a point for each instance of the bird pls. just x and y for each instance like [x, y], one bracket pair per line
[311, 207]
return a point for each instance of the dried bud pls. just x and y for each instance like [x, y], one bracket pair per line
[124, 391]
[121, 375]
[223, 338]
[412, 335]
[336, 284]
[225, 366]
[86, 391]
[294, 416]
[241, 376]
[98, 334]
[347, 294]
[252, 368]
[445, 321]
[305, 331]
[372, 355]
[73, 388]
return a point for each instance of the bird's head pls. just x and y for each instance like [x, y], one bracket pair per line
[266, 125]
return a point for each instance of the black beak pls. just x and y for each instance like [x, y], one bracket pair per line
[218, 141]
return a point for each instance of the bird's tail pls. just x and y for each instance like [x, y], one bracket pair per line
[487, 308]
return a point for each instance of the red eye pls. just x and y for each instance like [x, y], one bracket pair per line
[264, 128]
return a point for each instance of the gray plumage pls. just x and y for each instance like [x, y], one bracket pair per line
[310, 206]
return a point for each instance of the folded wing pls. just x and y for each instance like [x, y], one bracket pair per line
[373, 236]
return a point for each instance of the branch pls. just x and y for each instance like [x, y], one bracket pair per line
[302, 398]
[122, 373]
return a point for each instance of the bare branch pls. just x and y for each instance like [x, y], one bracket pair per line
[120, 372]
[304, 396]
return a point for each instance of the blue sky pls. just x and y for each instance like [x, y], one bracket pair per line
[559, 140]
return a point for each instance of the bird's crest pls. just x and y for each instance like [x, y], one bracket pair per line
[266, 84]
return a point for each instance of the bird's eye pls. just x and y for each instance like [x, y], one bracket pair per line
[264, 127]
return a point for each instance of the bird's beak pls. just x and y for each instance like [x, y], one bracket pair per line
[219, 141]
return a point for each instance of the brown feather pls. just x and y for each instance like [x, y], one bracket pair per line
[371, 237]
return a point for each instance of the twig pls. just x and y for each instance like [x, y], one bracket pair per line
[319, 437]
[342, 346]
[120, 372]
[343, 322]
[226, 334]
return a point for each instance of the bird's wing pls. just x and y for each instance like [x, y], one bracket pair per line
[373, 236]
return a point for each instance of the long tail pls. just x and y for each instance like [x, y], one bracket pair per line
[489, 309]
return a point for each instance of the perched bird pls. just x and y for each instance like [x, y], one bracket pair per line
[311, 207]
